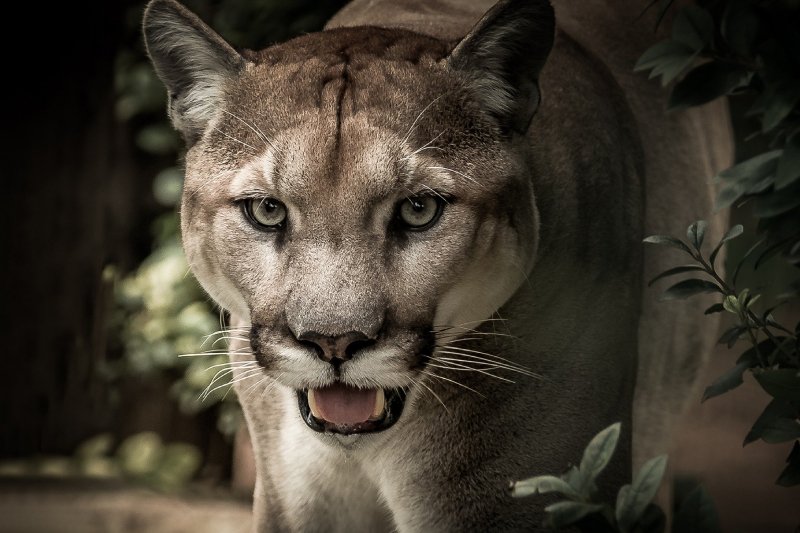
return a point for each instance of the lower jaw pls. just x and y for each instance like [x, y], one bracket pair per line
[395, 401]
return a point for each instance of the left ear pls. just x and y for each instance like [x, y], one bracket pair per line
[504, 54]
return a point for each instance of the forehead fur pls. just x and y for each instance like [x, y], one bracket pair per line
[386, 76]
[343, 43]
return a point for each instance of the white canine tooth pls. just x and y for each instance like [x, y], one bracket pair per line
[312, 403]
[380, 403]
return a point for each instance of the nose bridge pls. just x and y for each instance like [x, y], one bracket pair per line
[339, 292]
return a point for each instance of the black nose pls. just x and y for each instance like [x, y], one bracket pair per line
[338, 349]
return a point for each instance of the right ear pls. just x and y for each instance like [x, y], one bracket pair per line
[193, 62]
[504, 54]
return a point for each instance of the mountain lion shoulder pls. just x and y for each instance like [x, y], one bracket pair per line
[426, 222]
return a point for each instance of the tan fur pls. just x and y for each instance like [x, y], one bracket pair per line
[537, 259]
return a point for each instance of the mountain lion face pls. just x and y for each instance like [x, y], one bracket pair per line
[361, 195]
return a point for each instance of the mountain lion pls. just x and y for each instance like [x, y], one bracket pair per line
[426, 224]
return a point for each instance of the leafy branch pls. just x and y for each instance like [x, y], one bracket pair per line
[773, 356]
[633, 510]
[746, 49]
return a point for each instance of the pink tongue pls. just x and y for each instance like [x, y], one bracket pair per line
[345, 405]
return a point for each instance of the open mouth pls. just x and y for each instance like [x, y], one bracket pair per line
[343, 409]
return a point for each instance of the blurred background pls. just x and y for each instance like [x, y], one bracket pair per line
[102, 426]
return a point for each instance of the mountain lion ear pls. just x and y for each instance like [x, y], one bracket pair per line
[504, 54]
[192, 61]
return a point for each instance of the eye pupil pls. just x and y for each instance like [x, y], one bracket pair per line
[265, 213]
[419, 213]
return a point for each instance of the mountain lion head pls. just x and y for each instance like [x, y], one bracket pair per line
[359, 196]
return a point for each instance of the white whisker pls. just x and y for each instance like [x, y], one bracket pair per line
[247, 374]
[452, 381]
[460, 367]
[458, 173]
[472, 359]
[422, 384]
[235, 139]
[260, 134]
[414, 124]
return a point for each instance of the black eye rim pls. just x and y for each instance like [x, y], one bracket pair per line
[405, 226]
[246, 205]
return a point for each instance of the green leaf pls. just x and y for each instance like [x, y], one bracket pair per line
[178, 463]
[696, 513]
[694, 27]
[97, 446]
[676, 270]
[766, 348]
[653, 520]
[789, 164]
[668, 241]
[543, 485]
[777, 203]
[622, 497]
[696, 232]
[574, 479]
[732, 233]
[727, 381]
[791, 474]
[782, 383]
[688, 287]
[771, 251]
[777, 423]
[632, 504]
[667, 59]
[743, 259]
[732, 335]
[598, 453]
[750, 356]
[740, 27]
[659, 52]
[784, 98]
[139, 454]
[728, 195]
[716, 308]
[564, 513]
[748, 177]
[753, 169]
[731, 304]
[708, 82]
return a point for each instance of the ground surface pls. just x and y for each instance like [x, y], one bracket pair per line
[44, 506]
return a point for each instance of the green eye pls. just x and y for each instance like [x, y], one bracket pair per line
[265, 213]
[419, 212]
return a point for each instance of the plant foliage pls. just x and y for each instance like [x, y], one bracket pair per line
[748, 50]
[582, 506]
[772, 354]
[142, 458]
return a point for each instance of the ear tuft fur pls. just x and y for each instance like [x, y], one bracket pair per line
[192, 60]
[504, 54]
